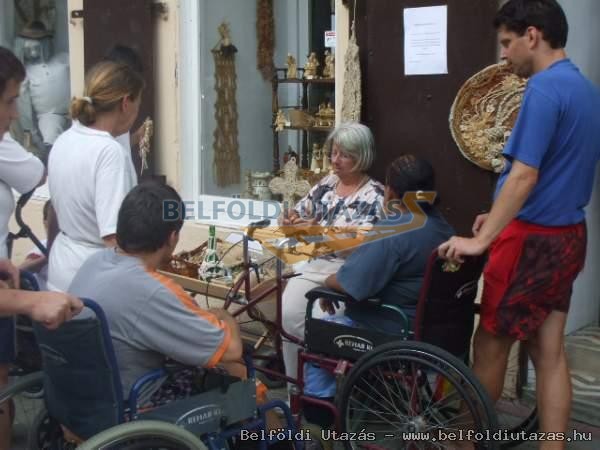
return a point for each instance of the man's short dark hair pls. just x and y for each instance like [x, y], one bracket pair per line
[10, 68]
[148, 216]
[409, 173]
[125, 55]
[545, 15]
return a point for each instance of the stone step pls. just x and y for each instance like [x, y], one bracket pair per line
[583, 350]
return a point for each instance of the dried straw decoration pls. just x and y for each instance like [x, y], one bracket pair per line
[226, 163]
[484, 113]
[352, 94]
[265, 34]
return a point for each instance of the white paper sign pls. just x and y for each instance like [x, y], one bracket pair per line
[330, 39]
[426, 40]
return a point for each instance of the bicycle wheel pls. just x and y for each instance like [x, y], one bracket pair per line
[516, 410]
[413, 395]
[144, 434]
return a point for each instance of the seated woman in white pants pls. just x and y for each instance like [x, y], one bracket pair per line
[346, 198]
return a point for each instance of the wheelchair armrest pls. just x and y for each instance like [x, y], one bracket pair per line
[137, 387]
[326, 293]
[329, 294]
[373, 301]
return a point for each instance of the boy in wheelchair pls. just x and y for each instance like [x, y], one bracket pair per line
[150, 317]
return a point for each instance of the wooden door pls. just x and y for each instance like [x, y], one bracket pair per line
[409, 114]
[111, 22]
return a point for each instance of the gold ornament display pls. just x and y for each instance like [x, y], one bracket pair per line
[329, 68]
[326, 115]
[484, 113]
[226, 163]
[280, 121]
[292, 67]
[311, 66]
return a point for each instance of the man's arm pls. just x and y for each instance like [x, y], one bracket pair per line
[9, 273]
[514, 193]
[49, 308]
[332, 283]
[234, 350]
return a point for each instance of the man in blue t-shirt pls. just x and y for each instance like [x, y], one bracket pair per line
[535, 230]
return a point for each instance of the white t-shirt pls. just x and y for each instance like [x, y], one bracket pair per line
[88, 177]
[19, 170]
[125, 141]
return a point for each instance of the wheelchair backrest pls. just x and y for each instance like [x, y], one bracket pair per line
[445, 312]
[82, 386]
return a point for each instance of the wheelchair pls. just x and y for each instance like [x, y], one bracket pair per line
[85, 405]
[412, 390]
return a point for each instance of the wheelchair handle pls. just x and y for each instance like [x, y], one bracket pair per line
[24, 229]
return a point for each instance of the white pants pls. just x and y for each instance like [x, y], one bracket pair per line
[294, 304]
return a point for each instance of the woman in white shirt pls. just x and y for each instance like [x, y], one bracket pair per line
[88, 171]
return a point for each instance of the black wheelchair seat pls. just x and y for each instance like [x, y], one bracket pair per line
[444, 315]
[344, 341]
[82, 386]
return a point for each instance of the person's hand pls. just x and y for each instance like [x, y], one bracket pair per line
[13, 273]
[288, 217]
[328, 306]
[479, 221]
[457, 248]
[54, 308]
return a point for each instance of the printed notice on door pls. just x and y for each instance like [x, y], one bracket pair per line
[426, 40]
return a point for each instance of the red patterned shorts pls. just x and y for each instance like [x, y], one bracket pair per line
[529, 274]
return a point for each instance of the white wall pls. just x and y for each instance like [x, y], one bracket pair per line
[582, 48]
[7, 28]
[253, 92]
[61, 34]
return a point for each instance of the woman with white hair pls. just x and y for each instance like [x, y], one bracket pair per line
[346, 198]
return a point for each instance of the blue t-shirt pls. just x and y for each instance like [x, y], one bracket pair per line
[557, 132]
[391, 269]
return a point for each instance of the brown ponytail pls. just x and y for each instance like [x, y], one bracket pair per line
[107, 83]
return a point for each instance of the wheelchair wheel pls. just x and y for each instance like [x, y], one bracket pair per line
[23, 408]
[413, 395]
[144, 434]
[517, 412]
[46, 434]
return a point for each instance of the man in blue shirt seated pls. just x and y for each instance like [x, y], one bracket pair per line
[392, 268]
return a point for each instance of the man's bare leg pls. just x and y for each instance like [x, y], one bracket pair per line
[553, 380]
[490, 358]
[5, 421]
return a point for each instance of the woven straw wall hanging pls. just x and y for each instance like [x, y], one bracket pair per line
[352, 94]
[226, 163]
[484, 113]
[265, 34]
